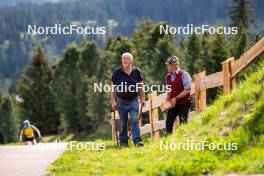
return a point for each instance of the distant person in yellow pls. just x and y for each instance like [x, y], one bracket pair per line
[28, 133]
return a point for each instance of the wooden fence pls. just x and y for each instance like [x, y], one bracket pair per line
[226, 78]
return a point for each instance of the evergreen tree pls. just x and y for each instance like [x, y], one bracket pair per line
[163, 49]
[257, 37]
[38, 99]
[182, 52]
[194, 61]
[66, 86]
[255, 64]
[242, 17]
[207, 53]
[89, 56]
[13, 87]
[119, 46]
[89, 59]
[242, 43]
[2, 138]
[241, 14]
[9, 122]
[96, 105]
[141, 49]
[140, 43]
[1, 96]
[151, 50]
[99, 105]
[220, 52]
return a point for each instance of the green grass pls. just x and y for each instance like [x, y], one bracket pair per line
[236, 118]
[102, 132]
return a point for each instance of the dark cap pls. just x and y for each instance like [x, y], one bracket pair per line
[173, 60]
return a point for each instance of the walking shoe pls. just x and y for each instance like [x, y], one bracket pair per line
[123, 145]
[139, 144]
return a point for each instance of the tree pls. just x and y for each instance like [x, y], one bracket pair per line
[151, 50]
[88, 101]
[239, 43]
[89, 57]
[182, 52]
[220, 52]
[118, 46]
[242, 43]
[66, 86]
[9, 123]
[13, 87]
[207, 42]
[194, 61]
[80, 107]
[242, 17]
[141, 47]
[97, 104]
[241, 14]
[163, 49]
[255, 64]
[38, 98]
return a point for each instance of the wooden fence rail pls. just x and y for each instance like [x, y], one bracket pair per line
[226, 78]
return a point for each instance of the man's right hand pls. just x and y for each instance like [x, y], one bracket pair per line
[114, 105]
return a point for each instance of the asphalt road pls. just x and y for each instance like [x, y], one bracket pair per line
[28, 161]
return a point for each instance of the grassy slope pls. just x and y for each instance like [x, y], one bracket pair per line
[238, 117]
[102, 132]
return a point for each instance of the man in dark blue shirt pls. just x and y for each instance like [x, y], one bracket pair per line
[127, 83]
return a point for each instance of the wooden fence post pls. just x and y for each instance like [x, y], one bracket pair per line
[200, 95]
[113, 127]
[233, 79]
[154, 117]
[229, 83]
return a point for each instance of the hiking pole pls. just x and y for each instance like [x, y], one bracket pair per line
[116, 131]
[140, 113]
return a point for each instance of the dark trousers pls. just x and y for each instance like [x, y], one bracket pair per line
[182, 111]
